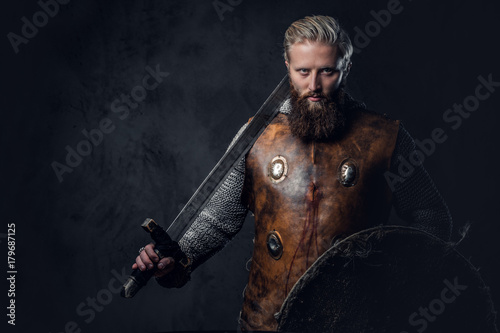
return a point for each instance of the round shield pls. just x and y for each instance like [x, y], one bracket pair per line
[389, 279]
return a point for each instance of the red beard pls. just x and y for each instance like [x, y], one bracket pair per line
[322, 121]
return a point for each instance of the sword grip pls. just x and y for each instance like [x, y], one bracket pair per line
[165, 247]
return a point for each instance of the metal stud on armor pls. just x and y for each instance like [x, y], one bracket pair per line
[278, 169]
[274, 245]
[348, 172]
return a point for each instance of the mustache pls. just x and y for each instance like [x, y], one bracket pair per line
[312, 94]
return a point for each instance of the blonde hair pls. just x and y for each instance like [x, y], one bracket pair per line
[318, 28]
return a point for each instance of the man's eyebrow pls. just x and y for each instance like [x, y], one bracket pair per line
[336, 68]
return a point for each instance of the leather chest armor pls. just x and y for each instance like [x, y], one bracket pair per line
[303, 195]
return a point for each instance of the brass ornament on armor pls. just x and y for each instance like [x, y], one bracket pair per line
[277, 169]
[348, 172]
[274, 245]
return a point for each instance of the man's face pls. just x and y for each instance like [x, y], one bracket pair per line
[317, 112]
[314, 71]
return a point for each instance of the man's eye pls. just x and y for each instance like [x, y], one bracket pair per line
[303, 71]
[327, 70]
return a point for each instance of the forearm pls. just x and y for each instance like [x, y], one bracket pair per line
[220, 220]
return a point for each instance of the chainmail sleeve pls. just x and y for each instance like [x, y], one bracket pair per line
[416, 198]
[217, 224]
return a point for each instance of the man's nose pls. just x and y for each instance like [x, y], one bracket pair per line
[314, 82]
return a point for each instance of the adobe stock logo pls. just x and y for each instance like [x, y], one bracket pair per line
[454, 117]
[372, 29]
[91, 306]
[426, 315]
[121, 107]
[228, 6]
[29, 29]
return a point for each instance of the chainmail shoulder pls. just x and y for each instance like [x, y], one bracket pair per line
[286, 106]
[416, 198]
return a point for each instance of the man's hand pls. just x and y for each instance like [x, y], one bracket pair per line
[148, 259]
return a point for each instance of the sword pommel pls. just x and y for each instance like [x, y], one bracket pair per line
[149, 225]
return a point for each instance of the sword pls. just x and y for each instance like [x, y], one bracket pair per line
[200, 198]
[213, 181]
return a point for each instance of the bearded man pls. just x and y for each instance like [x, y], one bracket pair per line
[315, 174]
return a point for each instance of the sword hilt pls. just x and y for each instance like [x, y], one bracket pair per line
[164, 247]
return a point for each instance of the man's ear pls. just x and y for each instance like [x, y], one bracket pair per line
[287, 65]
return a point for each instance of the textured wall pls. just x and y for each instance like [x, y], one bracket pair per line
[72, 234]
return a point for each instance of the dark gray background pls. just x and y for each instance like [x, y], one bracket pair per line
[71, 235]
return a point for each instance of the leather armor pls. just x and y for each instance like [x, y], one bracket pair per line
[319, 191]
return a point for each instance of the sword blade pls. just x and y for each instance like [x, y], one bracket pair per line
[215, 178]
